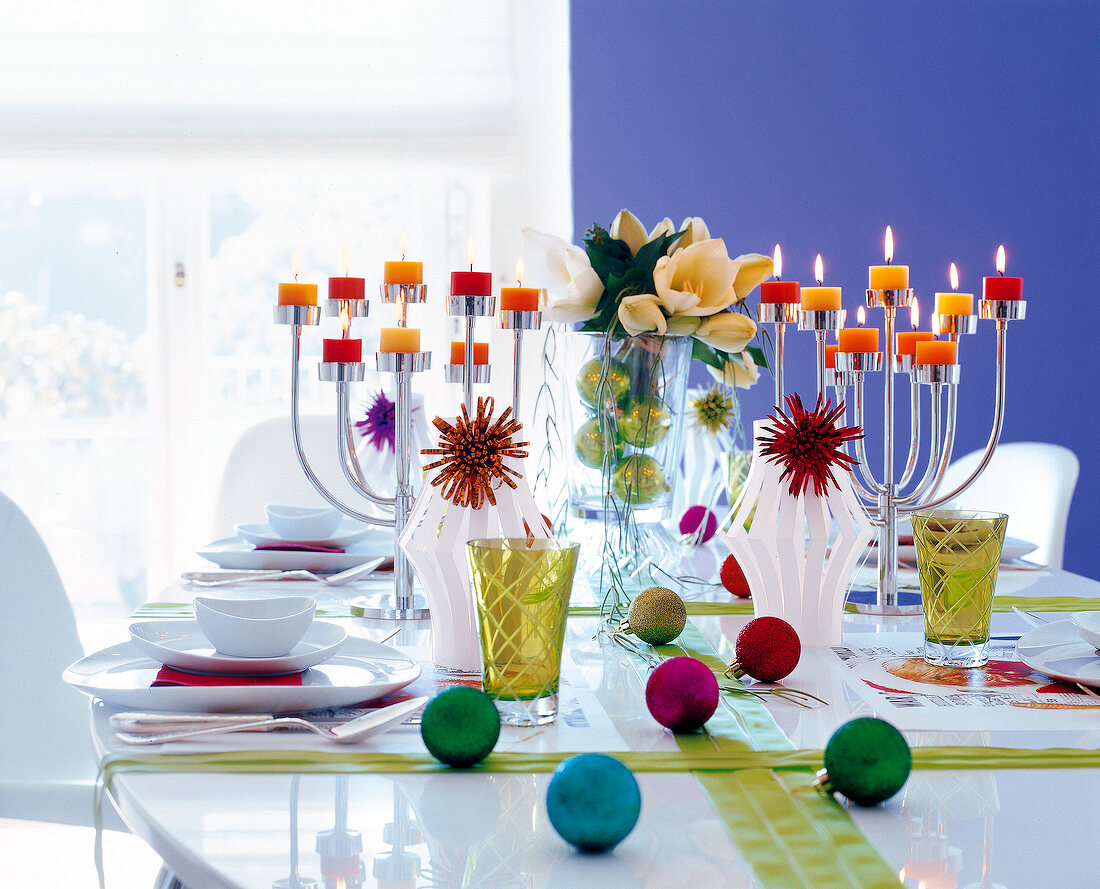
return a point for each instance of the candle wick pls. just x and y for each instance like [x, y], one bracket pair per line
[471, 266]
[999, 272]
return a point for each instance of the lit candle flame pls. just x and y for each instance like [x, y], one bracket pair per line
[345, 258]
[914, 314]
[1001, 260]
[901, 875]
[470, 252]
[777, 263]
[520, 270]
[345, 320]
[889, 245]
[937, 324]
[402, 245]
[296, 265]
[861, 316]
[954, 273]
[819, 269]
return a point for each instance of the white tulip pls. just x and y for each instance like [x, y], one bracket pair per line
[727, 331]
[697, 280]
[573, 287]
[640, 314]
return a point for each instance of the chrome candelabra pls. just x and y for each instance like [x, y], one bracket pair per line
[886, 499]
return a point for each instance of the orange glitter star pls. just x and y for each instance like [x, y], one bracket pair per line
[473, 453]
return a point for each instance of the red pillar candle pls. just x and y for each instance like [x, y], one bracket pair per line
[471, 283]
[1001, 287]
[347, 287]
[342, 350]
[778, 291]
[458, 353]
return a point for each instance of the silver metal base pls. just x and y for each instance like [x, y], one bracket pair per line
[357, 308]
[471, 305]
[858, 362]
[1002, 309]
[777, 313]
[403, 293]
[285, 314]
[903, 364]
[819, 319]
[897, 610]
[403, 362]
[888, 298]
[956, 324]
[341, 371]
[517, 319]
[387, 610]
[936, 373]
[456, 373]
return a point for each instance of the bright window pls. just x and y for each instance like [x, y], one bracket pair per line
[162, 162]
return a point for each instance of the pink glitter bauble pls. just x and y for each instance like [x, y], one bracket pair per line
[682, 694]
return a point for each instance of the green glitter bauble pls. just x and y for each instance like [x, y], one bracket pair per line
[645, 422]
[593, 444]
[642, 476]
[868, 761]
[614, 384]
[460, 726]
[657, 616]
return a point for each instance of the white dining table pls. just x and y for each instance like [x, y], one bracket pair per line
[1000, 826]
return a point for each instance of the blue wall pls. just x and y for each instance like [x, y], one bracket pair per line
[963, 125]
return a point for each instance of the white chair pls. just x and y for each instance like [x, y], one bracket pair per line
[1032, 482]
[47, 763]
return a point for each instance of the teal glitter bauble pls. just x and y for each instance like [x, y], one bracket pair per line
[593, 801]
[867, 760]
[460, 726]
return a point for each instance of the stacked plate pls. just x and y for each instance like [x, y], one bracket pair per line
[351, 543]
[1065, 649]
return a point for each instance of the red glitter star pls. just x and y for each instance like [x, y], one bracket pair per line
[808, 444]
[473, 453]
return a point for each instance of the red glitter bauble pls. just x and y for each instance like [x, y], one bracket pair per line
[767, 649]
[733, 578]
[682, 694]
[693, 517]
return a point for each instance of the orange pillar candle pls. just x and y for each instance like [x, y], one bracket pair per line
[399, 339]
[295, 294]
[858, 339]
[907, 342]
[519, 299]
[819, 299]
[954, 303]
[888, 277]
[458, 353]
[830, 356]
[402, 271]
[937, 352]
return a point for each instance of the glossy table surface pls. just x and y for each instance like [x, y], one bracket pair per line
[1023, 827]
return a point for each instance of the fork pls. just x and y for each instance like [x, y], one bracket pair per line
[1030, 618]
[196, 578]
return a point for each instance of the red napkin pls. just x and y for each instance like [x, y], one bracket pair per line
[170, 677]
[299, 548]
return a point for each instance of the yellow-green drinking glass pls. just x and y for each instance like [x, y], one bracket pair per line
[522, 587]
[958, 552]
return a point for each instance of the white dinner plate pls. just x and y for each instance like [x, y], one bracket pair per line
[360, 672]
[1058, 650]
[181, 644]
[349, 532]
[235, 553]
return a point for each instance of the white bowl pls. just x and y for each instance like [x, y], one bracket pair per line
[254, 627]
[1087, 623]
[303, 522]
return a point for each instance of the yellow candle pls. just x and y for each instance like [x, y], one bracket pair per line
[937, 352]
[399, 339]
[296, 294]
[819, 299]
[888, 277]
[858, 339]
[954, 303]
[404, 272]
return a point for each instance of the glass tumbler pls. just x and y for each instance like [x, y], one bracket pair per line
[522, 587]
[958, 552]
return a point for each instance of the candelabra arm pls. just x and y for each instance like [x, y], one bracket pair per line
[937, 447]
[995, 433]
[870, 485]
[296, 433]
[349, 459]
[867, 498]
[914, 430]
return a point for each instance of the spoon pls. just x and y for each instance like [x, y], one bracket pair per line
[202, 579]
[1030, 618]
[375, 722]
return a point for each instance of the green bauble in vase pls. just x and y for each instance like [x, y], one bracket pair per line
[638, 480]
[594, 445]
[599, 381]
[645, 422]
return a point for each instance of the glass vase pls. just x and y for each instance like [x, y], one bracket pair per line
[625, 420]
